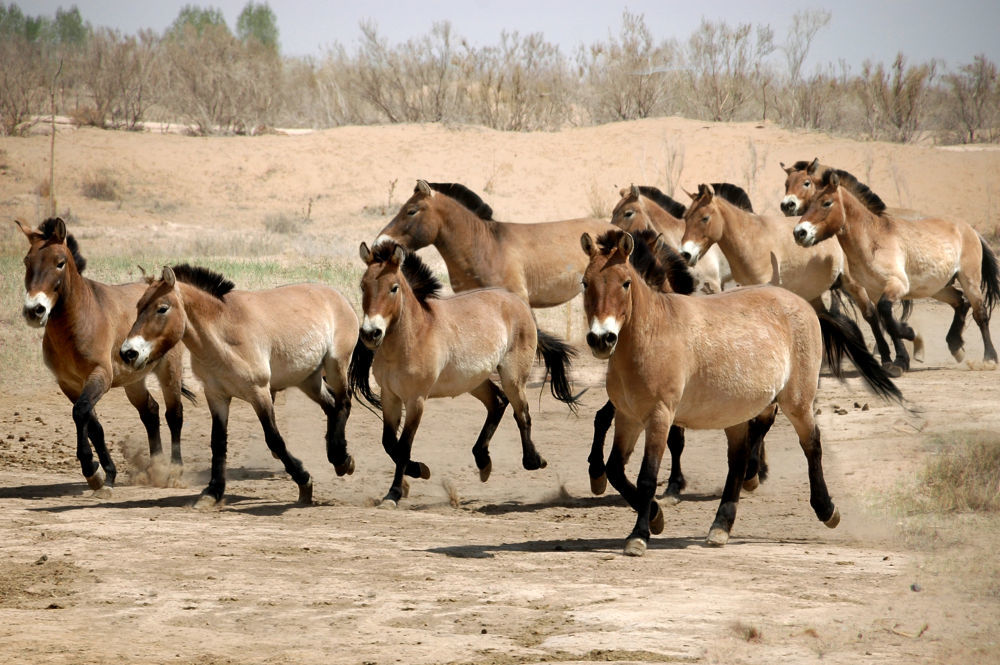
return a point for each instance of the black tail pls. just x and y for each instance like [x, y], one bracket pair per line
[191, 397]
[359, 374]
[991, 277]
[841, 336]
[557, 355]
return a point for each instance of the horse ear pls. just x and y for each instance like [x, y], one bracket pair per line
[811, 169]
[587, 243]
[634, 192]
[398, 255]
[622, 192]
[693, 196]
[626, 244]
[145, 275]
[168, 276]
[59, 230]
[423, 188]
[705, 191]
[365, 253]
[787, 169]
[710, 189]
[834, 179]
[25, 229]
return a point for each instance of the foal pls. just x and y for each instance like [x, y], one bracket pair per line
[707, 363]
[898, 259]
[250, 345]
[420, 346]
[85, 322]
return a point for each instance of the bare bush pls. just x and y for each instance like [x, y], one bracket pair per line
[895, 98]
[22, 84]
[100, 185]
[975, 103]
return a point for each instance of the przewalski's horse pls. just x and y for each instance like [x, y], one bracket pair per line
[85, 322]
[800, 188]
[644, 207]
[534, 261]
[420, 346]
[664, 270]
[250, 345]
[760, 250]
[708, 363]
[898, 259]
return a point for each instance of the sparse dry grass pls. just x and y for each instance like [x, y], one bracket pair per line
[963, 476]
[101, 185]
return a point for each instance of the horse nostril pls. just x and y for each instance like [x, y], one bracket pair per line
[592, 339]
[800, 233]
[129, 355]
[39, 310]
[610, 339]
[686, 256]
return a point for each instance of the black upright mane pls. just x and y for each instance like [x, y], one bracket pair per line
[466, 197]
[659, 268]
[735, 195]
[863, 192]
[211, 282]
[48, 227]
[418, 274]
[801, 165]
[675, 208]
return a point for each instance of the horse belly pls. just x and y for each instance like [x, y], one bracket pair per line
[464, 373]
[294, 361]
[728, 399]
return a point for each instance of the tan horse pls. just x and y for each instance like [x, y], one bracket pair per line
[85, 321]
[707, 363]
[760, 250]
[643, 207]
[901, 259]
[250, 345]
[534, 261]
[800, 188]
[420, 346]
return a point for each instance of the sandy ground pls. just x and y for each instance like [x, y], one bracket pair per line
[527, 567]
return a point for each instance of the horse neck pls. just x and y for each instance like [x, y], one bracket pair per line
[468, 246]
[76, 311]
[409, 330]
[203, 313]
[648, 315]
[663, 222]
[741, 232]
[859, 224]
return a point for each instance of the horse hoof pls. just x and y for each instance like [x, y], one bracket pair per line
[635, 547]
[656, 523]
[717, 536]
[387, 504]
[425, 471]
[347, 468]
[534, 464]
[599, 484]
[918, 348]
[893, 370]
[834, 519]
[96, 481]
[670, 499]
[959, 354]
[103, 493]
[205, 502]
[752, 483]
[484, 473]
[306, 493]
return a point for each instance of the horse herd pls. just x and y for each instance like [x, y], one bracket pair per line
[722, 360]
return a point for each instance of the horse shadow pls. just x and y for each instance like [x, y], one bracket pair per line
[514, 507]
[569, 545]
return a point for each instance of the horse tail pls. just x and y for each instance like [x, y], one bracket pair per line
[557, 355]
[359, 374]
[991, 277]
[841, 337]
[187, 393]
[904, 315]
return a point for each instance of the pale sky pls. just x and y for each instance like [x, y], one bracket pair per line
[952, 31]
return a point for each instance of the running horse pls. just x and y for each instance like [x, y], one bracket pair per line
[250, 345]
[85, 322]
[421, 346]
[800, 188]
[899, 259]
[708, 363]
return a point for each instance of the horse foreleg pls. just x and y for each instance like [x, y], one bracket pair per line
[676, 482]
[85, 420]
[602, 423]
[649, 518]
[898, 331]
[870, 314]
[414, 411]
[496, 403]
[169, 376]
[276, 444]
[738, 453]
[392, 415]
[218, 406]
[149, 413]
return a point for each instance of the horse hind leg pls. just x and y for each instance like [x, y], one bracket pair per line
[676, 482]
[496, 403]
[757, 429]
[333, 398]
[276, 443]
[513, 388]
[596, 469]
[802, 420]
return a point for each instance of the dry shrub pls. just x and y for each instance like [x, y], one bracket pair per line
[747, 632]
[284, 224]
[100, 185]
[963, 476]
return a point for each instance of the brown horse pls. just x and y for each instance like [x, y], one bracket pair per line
[761, 251]
[250, 345]
[707, 363]
[534, 261]
[420, 346]
[900, 259]
[644, 207]
[85, 321]
[800, 188]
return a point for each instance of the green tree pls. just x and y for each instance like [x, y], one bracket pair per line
[197, 19]
[69, 28]
[258, 22]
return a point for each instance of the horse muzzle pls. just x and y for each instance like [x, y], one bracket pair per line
[805, 234]
[690, 252]
[602, 345]
[371, 337]
[36, 316]
[135, 352]
[790, 206]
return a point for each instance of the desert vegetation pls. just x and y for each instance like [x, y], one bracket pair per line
[211, 79]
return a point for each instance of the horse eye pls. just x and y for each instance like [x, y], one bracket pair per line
[61, 264]
[395, 287]
[583, 283]
[806, 183]
[704, 220]
[163, 309]
[411, 212]
[629, 213]
[628, 283]
[828, 204]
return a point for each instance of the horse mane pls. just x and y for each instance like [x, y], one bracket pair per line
[418, 274]
[202, 278]
[863, 192]
[801, 165]
[675, 208]
[734, 194]
[48, 227]
[664, 267]
[466, 197]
